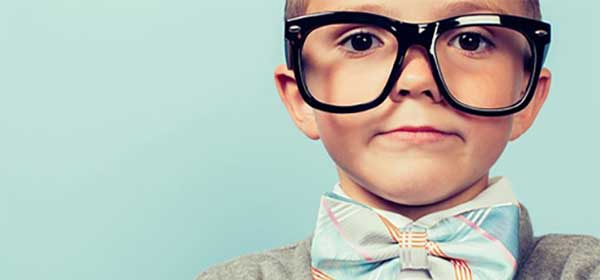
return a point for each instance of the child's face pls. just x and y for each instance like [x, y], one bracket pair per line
[412, 167]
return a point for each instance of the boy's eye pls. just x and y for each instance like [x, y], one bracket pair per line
[471, 42]
[361, 42]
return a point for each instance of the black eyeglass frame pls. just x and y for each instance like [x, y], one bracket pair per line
[408, 34]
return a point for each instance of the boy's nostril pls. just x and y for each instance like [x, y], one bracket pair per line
[404, 93]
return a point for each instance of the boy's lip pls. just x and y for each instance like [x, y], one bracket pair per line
[416, 129]
[421, 130]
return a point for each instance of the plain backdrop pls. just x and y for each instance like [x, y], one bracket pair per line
[145, 139]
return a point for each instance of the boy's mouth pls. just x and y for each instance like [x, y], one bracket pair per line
[417, 134]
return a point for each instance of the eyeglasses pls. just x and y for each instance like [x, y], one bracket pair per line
[483, 64]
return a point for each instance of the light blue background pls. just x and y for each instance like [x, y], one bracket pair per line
[145, 139]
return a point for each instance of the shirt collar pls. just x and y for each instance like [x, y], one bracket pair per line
[499, 192]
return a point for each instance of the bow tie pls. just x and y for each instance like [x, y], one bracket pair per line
[355, 241]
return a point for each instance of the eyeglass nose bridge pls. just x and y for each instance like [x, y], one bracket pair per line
[410, 34]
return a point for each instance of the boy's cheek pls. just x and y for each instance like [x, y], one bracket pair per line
[338, 125]
[487, 138]
[491, 125]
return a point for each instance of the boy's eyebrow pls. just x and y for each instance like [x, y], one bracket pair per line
[454, 8]
[374, 8]
[446, 9]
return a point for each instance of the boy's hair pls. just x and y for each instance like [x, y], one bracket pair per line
[295, 8]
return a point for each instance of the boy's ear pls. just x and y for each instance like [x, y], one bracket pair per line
[524, 119]
[302, 114]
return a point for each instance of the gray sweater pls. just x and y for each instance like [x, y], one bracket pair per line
[546, 257]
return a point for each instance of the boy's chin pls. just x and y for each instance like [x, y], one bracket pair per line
[424, 191]
[415, 196]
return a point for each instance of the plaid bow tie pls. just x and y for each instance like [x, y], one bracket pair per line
[355, 241]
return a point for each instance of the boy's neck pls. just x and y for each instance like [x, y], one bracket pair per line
[362, 195]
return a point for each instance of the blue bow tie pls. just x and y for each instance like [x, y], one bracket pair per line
[355, 241]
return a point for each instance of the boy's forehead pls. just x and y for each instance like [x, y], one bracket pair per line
[419, 10]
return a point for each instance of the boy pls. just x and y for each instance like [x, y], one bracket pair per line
[414, 116]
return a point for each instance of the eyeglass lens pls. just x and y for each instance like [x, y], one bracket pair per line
[488, 67]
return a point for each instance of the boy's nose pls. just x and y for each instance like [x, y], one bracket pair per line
[416, 77]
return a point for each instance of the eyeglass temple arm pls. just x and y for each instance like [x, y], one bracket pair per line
[288, 56]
